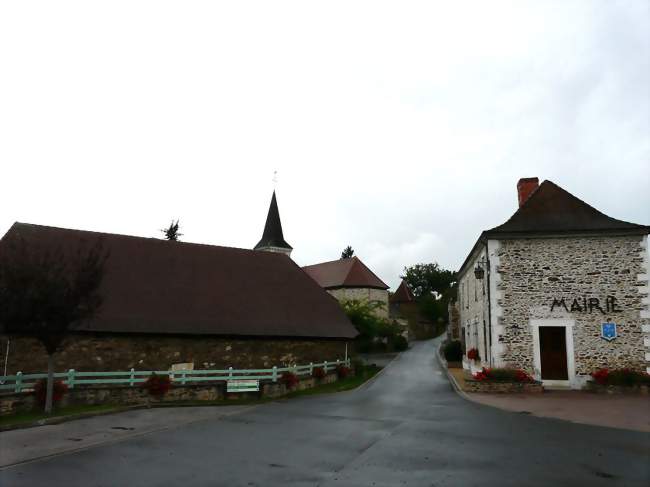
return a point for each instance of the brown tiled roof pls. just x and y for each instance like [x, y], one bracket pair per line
[551, 209]
[403, 294]
[158, 286]
[344, 273]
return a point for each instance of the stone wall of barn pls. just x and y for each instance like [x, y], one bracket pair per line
[363, 294]
[103, 352]
[583, 281]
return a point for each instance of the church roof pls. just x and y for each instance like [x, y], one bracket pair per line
[551, 209]
[162, 287]
[344, 273]
[272, 236]
[403, 294]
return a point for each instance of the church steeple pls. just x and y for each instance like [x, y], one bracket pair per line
[272, 238]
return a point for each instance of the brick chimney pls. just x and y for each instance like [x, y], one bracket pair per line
[525, 188]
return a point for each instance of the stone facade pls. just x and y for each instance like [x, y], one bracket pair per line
[363, 294]
[473, 309]
[103, 352]
[575, 282]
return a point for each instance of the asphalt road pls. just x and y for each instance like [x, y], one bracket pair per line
[407, 427]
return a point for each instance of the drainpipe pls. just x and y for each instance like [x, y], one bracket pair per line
[487, 277]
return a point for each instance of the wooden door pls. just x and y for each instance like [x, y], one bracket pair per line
[552, 352]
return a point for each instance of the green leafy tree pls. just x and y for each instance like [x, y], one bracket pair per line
[426, 279]
[347, 253]
[44, 293]
[172, 233]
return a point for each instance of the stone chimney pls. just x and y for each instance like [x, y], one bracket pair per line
[525, 188]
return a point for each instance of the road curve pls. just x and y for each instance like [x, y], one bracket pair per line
[407, 427]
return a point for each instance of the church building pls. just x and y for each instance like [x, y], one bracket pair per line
[560, 290]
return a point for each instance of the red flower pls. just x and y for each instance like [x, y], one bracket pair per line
[601, 376]
[58, 389]
[318, 373]
[343, 371]
[157, 385]
[473, 354]
[289, 379]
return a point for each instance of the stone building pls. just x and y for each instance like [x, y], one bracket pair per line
[167, 303]
[559, 290]
[348, 279]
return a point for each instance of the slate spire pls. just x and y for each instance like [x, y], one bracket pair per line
[272, 238]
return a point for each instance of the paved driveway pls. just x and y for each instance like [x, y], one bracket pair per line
[406, 428]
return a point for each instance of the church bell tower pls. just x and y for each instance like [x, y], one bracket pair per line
[272, 238]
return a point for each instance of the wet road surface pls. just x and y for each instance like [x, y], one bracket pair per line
[406, 428]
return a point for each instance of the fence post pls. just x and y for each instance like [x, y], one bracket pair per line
[71, 378]
[311, 368]
[230, 372]
[132, 377]
[325, 366]
[19, 381]
[337, 363]
[275, 373]
[183, 377]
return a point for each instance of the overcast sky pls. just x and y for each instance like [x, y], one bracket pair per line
[399, 128]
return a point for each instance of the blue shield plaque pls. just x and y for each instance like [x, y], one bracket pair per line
[608, 331]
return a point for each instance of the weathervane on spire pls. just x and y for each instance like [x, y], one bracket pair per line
[275, 179]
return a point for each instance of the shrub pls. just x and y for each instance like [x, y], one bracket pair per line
[318, 373]
[157, 385]
[453, 351]
[621, 377]
[358, 366]
[473, 354]
[342, 371]
[289, 379]
[58, 390]
[399, 343]
[502, 375]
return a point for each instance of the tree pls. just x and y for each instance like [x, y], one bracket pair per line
[172, 233]
[426, 279]
[432, 288]
[44, 293]
[347, 253]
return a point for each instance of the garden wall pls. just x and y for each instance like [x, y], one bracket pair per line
[12, 403]
[94, 352]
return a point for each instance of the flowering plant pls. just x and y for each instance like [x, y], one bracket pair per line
[289, 379]
[40, 391]
[342, 371]
[318, 373]
[620, 377]
[600, 376]
[157, 385]
[472, 354]
[502, 375]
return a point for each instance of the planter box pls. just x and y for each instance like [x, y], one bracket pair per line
[496, 387]
[600, 389]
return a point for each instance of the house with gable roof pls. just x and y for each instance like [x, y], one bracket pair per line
[348, 279]
[559, 290]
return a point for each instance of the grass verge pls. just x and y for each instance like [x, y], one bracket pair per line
[33, 416]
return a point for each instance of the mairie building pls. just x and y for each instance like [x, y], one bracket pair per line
[560, 290]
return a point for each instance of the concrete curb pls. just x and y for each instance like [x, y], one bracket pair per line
[452, 379]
